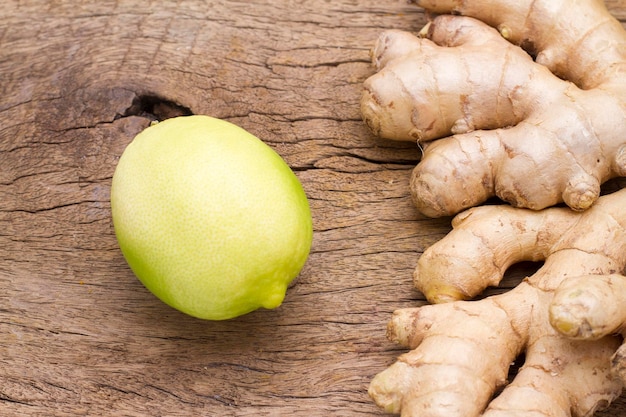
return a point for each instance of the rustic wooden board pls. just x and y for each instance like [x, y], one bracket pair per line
[79, 335]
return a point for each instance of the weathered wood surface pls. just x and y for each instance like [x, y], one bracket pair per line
[79, 335]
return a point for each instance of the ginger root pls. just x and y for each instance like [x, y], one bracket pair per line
[491, 120]
[525, 101]
[563, 318]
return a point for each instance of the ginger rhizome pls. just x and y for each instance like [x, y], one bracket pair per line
[491, 120]
[563, 318]
[525, 101]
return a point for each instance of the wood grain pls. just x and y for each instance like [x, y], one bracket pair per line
[79, 335]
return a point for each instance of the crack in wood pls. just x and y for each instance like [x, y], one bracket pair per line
[155, 108]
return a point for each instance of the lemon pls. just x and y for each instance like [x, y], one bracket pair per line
[209, 218]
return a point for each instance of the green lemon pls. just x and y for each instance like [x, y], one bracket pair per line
[209, 218]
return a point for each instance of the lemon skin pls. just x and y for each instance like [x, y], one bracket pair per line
[209, 218]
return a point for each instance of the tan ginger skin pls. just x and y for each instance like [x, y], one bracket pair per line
[505, 125]
[462, 350]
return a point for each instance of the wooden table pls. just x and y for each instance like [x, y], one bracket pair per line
[79, 335]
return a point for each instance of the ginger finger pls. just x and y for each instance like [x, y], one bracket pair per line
[393, 44]
[483, 244]
[432, 91]
[491, 161]
[589, 307]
